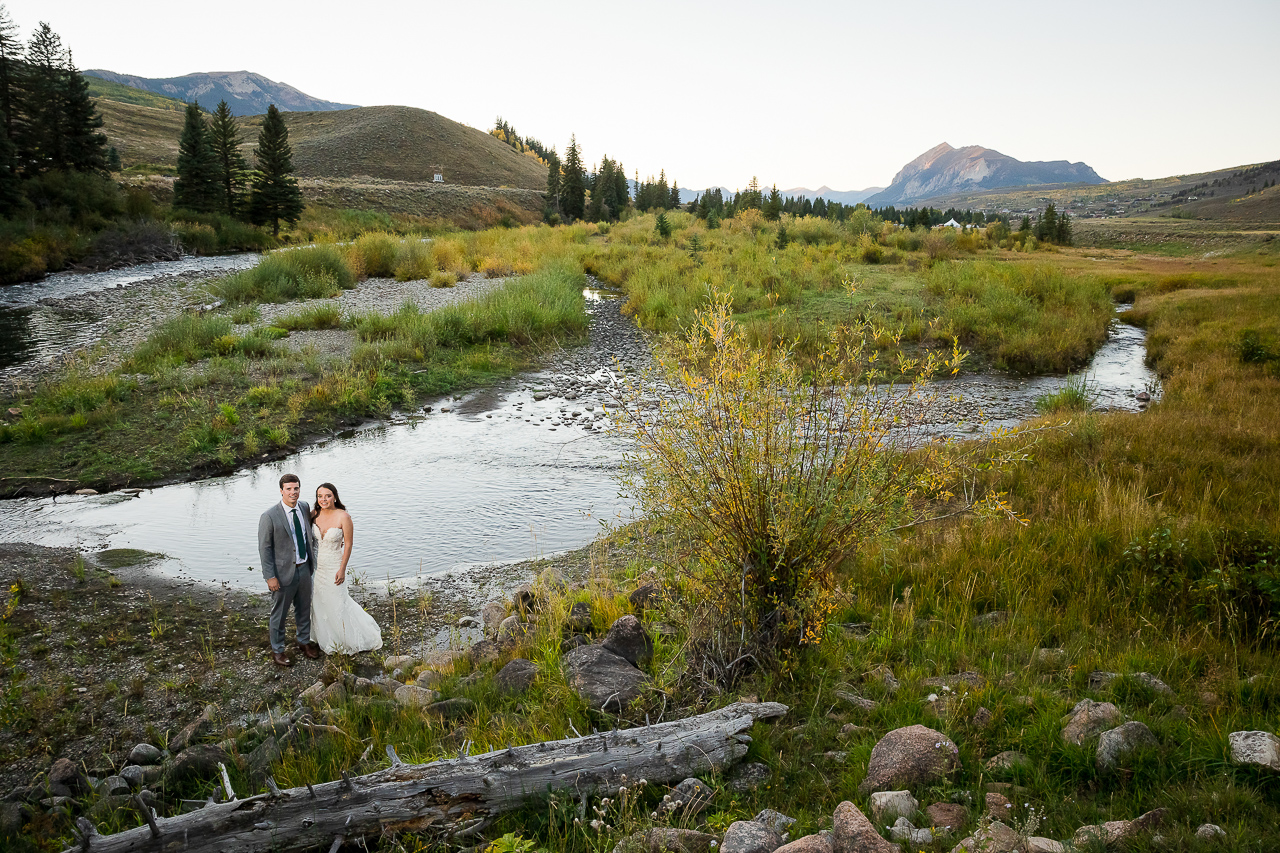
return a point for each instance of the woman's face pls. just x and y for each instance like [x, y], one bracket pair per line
[324, 497]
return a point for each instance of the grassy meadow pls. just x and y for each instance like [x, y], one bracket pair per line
[1121, 543]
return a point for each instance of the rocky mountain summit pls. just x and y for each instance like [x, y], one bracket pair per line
[943, 169]
[245, 92]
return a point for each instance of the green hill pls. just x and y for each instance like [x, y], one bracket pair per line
[105, 89]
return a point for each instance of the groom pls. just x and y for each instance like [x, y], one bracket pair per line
[287, 549]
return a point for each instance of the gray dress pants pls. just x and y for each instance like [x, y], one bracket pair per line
[297, 595]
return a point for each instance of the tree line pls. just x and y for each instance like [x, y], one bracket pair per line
[48, 122]
[213, 176]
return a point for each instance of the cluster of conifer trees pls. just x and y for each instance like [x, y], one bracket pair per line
[48, 122]
[214, 178]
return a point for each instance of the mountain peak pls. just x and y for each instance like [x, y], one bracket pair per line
[943, 170]
[246, 92]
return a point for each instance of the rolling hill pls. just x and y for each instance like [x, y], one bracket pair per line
[942, 170]
[246, 93]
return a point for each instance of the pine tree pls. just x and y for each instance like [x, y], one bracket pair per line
[11, 197]
[620, 189]
[39, 114]
[675, 195]
[1047, 227]
[275, 194]
[553, 183]
[773, 209]
[197, 187]
[1063, 235]
[11, 57]
[84, 145]
[113, 160]
[573, 182]
[233, 173]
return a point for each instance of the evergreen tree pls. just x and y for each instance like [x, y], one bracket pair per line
[39, 113]
[553, 183]
[620, 190]
[1025, 227]
[84, 145]
[675, 195]
[662, 225]
[773, 208]
[661, 192]
[11, 198]
[233, 172]
[198, 187]
[10, 70]
[113, 160]
[1047, 227]
[1063, 236]
[275, 194]
[573, 182]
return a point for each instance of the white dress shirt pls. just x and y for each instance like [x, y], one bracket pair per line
[293, 531]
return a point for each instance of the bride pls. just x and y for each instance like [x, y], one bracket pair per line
[337, 622]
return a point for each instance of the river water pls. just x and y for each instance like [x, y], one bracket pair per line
[521, 470]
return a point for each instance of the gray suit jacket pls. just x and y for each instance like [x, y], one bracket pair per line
[275, 543]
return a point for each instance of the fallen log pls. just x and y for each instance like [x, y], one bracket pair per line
[453, 796]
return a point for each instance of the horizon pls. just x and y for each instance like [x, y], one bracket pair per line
[700, 105]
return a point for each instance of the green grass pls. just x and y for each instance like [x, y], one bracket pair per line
[1074, 396]
[311, 317]
[312, 272]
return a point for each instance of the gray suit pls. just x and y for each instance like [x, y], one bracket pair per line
[279, 561]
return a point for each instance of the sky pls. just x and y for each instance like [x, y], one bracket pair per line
[798, 93]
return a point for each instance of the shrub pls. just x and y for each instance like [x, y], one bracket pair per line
[312, 317]
[379, 254]
[440, 278]
[416, 261]
[869, 251]
[313, 272]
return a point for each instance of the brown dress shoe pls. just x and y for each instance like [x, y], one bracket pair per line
[311, 650]
[281, 659]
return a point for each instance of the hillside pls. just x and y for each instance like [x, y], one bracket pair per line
[106, 90]
[402, 144]
[246, 93]
[393, 143]
[944, 169]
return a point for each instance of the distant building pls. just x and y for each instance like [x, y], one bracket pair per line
[438, 179]
[951, 223]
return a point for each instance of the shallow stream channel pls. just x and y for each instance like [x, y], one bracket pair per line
[520, 470]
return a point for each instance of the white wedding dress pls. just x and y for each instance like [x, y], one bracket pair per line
[338, 624]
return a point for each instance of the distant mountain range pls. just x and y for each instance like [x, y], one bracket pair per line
[246, 93]
[828, 194]
[942, 170]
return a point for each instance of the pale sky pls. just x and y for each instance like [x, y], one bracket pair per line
[799, 93]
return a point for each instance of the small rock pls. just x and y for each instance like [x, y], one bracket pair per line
[1210, 832]
[995, 838]
[1114, 832]
[998, 805]
[1261, 749]
[484, 653]
[1008, 760]
[995, 617]
[334, 694]
[947, 815]
[1036, 844]
[491, 615]
[1099, 679]
[428, 678]
[1046, 660]
[113, 785]
[579, 621]
[1088, 719]
[747, 836]
[452, 709]
[748, 777]
[12, 817]
[56, 802]
[849, 730]
[981, 718]
[394, 662]
[603, 678]
[853, 833]
[859, 702]
[808, 844]
[144, 753]
[568, 644]
[912, 755]
[692, 796]
[469, 622]
[133, 775]
[86, 491]
[551, 581]
[835, 756]
[198, 729]
[105, 805]
[516, 677]
[522, 598]
[775, 820]
[643, 597]
[888, 805]
[197, 762]
[63, 772]
[415, 696]
[904, 830]
[512, 630]
[883, 675]
[628, 639]
[666, 840]
[955, 681]
[1119, 742]
[311, 696]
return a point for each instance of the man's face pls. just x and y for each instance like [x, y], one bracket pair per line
[290, 493]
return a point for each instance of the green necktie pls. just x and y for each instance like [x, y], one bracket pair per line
[302, 539]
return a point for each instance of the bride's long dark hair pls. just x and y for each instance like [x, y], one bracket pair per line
[337, 501]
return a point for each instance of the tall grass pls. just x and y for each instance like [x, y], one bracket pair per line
[312, 272]
[192, 337]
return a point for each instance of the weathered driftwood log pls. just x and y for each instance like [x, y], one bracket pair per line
[449, 795]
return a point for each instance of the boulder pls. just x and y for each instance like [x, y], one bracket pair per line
[853, 833]
[196, 762]
[643, 597]
[628, 639]
[856, 701]
[982, 718]
[913, 755]
[334, 694]
[775, 820]
[994, 838]
[144, 753]
[579, 621]
[1008, 760]
[491, 615]
[807, 844]
[1261, 749]
[747, 836]
[451, 709]
[905, 830]
[512, 630]
[444, 660]
[197, 730]
[602, 678]
[516, 677]
[690, 797]
[661, 839]
[483, 653]
[261, 760]
[1036, 844]
[311, 696]
[1115, 744]
[748, 777]
[1088, 719]
[1115, 832]
[1210, 832]
[998, 805]
[888, 805]
[394, 662]
[429, 679]
[67, 775]
[947, 815]
[416, 697]
[133, 774]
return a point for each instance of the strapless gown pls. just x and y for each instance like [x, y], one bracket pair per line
[338, 624]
